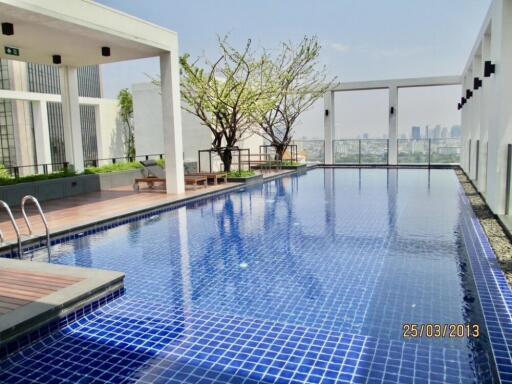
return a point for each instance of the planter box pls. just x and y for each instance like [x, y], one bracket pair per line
[118, 179]
[297, 167]
[50, 189]
[300, 166]
[247, 180]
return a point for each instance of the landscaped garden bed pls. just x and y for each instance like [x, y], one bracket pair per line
[248, 177]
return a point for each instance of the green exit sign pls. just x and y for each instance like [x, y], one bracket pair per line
[12, 51]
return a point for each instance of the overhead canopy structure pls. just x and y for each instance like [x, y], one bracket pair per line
[80, 33]
[392, 86]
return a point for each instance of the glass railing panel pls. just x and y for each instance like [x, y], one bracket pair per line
[310, 151]
[445, 151]
[412, 151]
[346, 151]
[374, 151]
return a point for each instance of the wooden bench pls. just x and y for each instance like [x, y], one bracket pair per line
[196, 180]
[189, 180]
[149, 181]
[214, 176]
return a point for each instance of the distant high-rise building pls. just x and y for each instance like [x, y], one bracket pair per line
[415, 132]
[455, 132]
[436, 132]
[365, 136]
[444, 133]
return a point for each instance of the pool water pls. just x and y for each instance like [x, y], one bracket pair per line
[306, 279]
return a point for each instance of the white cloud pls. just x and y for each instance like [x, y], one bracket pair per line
[340, 47]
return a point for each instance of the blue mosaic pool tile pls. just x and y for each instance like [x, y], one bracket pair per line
[283, 283]
[494, 291]
[115, 344]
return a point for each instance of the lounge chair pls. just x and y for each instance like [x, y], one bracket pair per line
[213, 176]
[154, 173]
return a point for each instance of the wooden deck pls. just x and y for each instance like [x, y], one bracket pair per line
[19, 288]
[33, 294]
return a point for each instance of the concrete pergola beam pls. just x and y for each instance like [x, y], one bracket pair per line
[393, 86]
[77, 30]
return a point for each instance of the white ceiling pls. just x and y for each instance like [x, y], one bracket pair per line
[38, 36]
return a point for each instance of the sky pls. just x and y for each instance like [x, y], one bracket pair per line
[361, 40]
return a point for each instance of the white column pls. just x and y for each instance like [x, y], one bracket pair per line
[484, 116]
[393, 125]
[71, 115]
[171, 123]
[41, 133]
[499, 110]
[329, 129]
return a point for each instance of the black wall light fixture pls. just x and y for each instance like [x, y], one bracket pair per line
[56, 59]
[469, 94]
[459, 106]
[7, 29]
[489, 68]
[463, 101]
[326, 112]
[105, 51]
[392, 110]
[477, 83]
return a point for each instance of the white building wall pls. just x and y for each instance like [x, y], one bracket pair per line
[488, 117]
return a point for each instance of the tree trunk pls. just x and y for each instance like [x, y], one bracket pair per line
[226, 158]
[280, 150]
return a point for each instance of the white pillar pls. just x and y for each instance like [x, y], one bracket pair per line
[71, 116]
[329, 129]
[171, 114]
[41, 133]
[393, 125]
[484, 115]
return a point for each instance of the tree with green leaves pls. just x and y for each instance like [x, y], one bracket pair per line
[292, 83]
[222, 95]
[125, 100]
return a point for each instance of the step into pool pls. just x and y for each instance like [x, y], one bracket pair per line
[312, 278]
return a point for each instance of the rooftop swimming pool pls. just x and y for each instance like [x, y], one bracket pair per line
[306, 279]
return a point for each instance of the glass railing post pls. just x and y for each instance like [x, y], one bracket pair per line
[387, 152]
[429, 153]
[507, 179]
[359, 151]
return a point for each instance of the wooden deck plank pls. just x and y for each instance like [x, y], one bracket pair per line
[41, 275]
[32, 283]
[9, 299]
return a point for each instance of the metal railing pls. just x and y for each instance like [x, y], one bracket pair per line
[291, 153]
[43, 219]
[18, 171]
[15, 227]
[118, 160]
[310, 151]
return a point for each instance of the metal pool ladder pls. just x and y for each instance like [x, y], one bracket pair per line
[14, 225]
[29, 226]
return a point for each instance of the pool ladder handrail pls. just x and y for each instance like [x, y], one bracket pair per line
[14, 225]
[43, 218]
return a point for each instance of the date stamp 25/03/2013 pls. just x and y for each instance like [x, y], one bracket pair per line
[433, 330]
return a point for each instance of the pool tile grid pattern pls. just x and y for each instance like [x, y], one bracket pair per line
[175, 346]
[137, 339]
[494, 292]
[55, 325]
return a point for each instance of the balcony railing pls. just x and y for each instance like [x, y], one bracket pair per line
[361, 151]
[118, 160]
